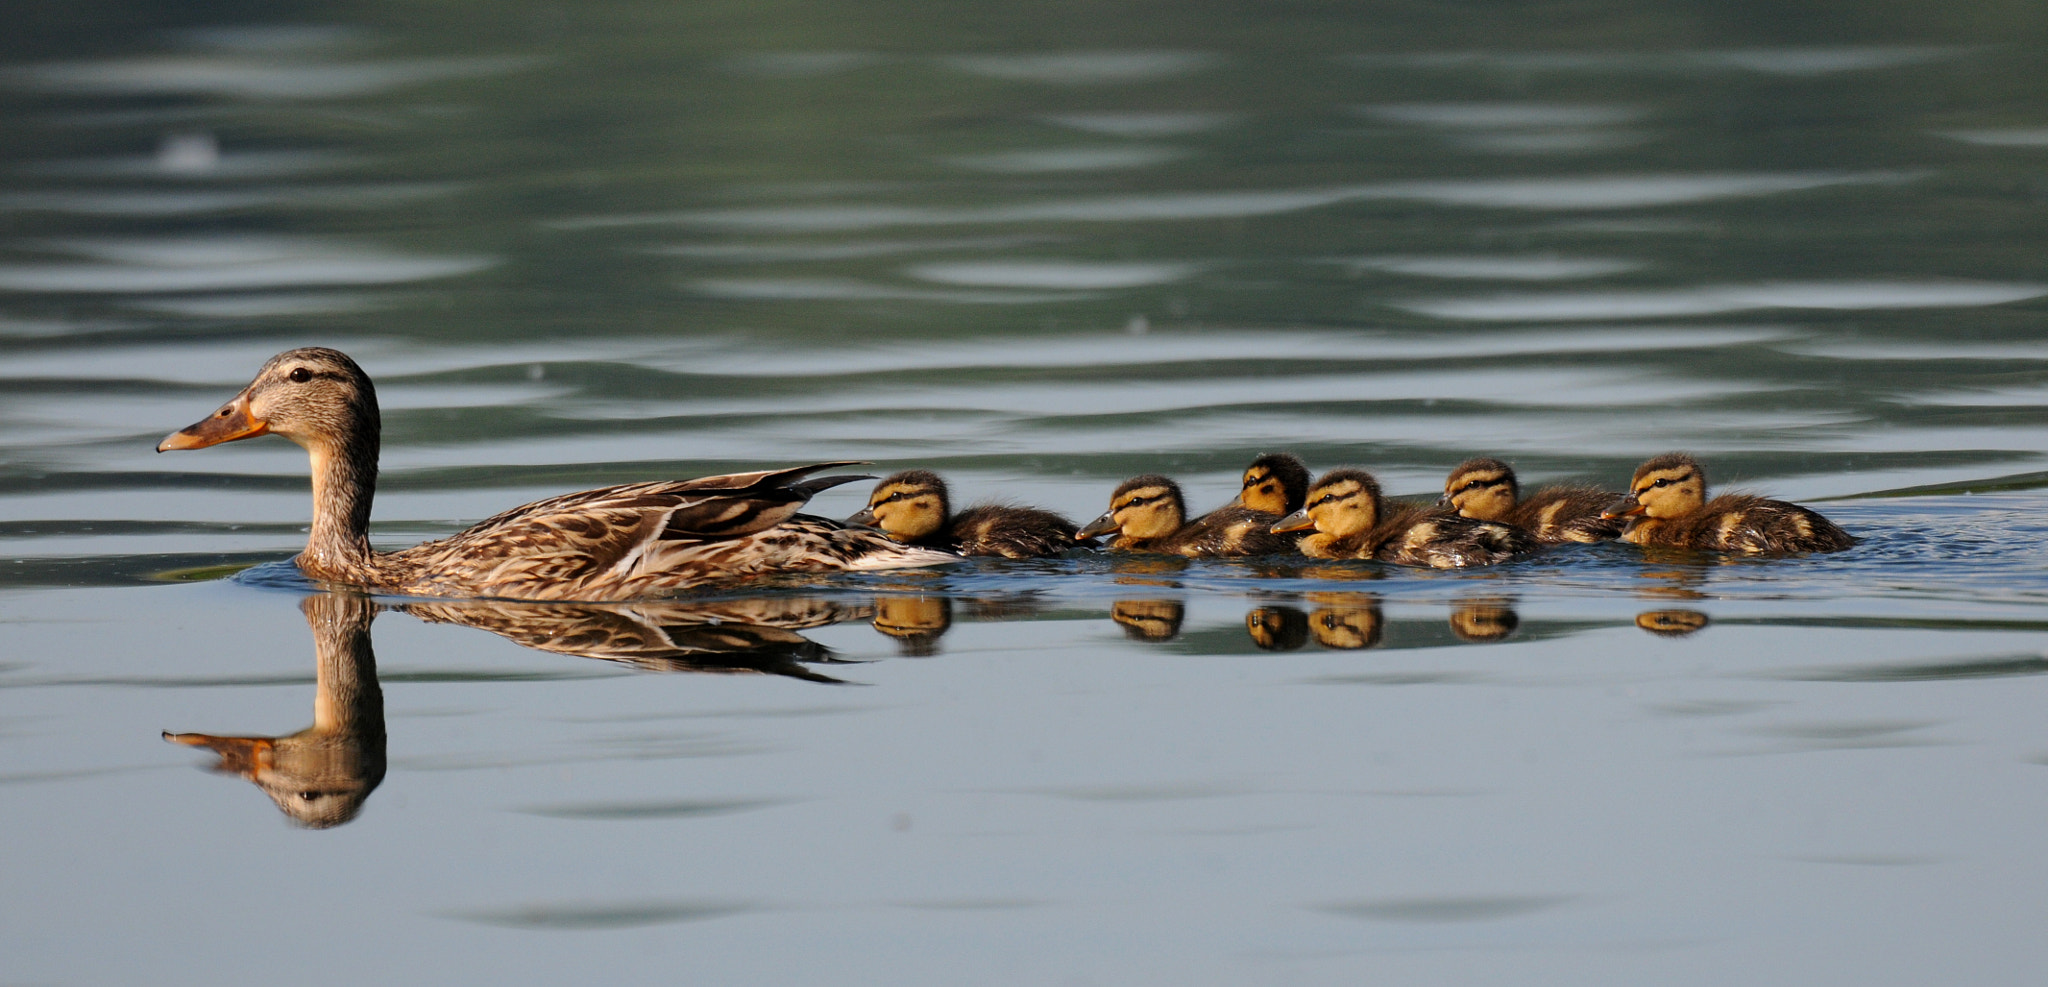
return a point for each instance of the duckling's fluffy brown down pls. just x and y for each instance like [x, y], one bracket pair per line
[1666, 506]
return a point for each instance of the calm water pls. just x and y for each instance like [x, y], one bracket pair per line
[1040, 254]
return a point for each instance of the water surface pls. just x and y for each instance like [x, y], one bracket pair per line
[1040, 255]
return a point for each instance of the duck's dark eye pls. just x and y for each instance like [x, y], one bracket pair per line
[300, 375]
[310, 796]
[1663, 482]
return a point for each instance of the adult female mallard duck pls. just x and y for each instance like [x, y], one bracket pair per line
[1667, 505]
[1344, 508]
[614, 543]
[1149, 514]
[1485, 489]
[913, 507]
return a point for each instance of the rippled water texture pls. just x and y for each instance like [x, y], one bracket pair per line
[1039, 251]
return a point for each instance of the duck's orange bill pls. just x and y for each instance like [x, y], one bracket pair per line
[1297, 521]
[226, 425]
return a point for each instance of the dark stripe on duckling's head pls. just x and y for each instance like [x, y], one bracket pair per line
[1275, 483]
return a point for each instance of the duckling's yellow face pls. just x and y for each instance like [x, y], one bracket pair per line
[906, 510]
[1142, 511]
[1664, 490]
[1263, 490]
[1339, 507]
[1485, 493]
[311, 396]
[1273, 483]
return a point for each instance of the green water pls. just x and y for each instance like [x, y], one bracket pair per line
[1040, 250]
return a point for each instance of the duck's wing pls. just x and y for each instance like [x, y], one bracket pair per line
[708, 506]
[617, 542]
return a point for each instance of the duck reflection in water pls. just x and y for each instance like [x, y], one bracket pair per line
[1484, 619]
[1277, 628]
[1346, 621]
[1149, 620]
[320, 775]
[738, 636]
[916, 622]
[1672, 623]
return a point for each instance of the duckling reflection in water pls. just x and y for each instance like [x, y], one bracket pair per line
[321, 775]
[1149, 620]
[1486, 490]
[1484, 619]
[915, 622]
[1667, 505]
[1149, 514]
[1346, 621]
[1672, 623]
[1277, 628]
[914, 507]
[1345, 508]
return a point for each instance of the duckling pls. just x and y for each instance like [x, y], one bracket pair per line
[913, 508]
[1667, 505]
[1276, 483]
[1486, 489]
[1148, 514]
[1344, 509]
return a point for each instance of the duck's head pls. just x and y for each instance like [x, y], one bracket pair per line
[1671, 485]
[1481, 488]
[1341, 504]
[1145, 507]
[313, 396]
[908, 506]
[1276, 483]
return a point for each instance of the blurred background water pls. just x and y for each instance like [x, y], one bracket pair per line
[1039, 249]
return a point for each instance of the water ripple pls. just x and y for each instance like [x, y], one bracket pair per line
[1725, 299]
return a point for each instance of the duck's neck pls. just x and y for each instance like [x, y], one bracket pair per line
[344, 480]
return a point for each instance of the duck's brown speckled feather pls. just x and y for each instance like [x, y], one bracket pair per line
[631, 547]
